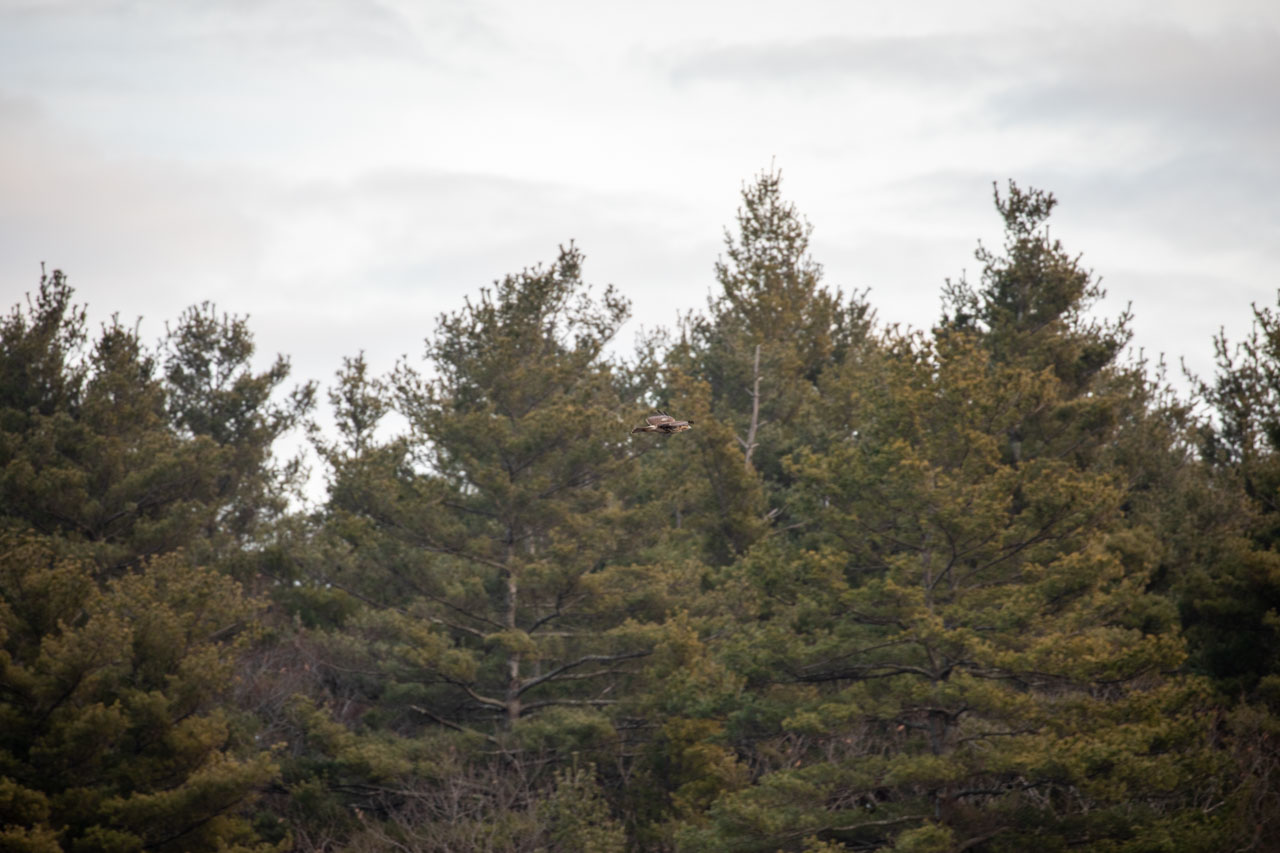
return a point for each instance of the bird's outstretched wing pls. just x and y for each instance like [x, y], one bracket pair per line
[664, 423]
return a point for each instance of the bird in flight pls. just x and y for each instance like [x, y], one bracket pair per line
[662, 422]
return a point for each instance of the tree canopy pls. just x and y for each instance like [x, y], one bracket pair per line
[994, 585]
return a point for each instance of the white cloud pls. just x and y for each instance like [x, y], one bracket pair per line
[346, 170]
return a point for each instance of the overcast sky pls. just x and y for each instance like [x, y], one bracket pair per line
[345, 170]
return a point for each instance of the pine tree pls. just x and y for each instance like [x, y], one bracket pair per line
[748, 370]
[120, 631]
[963, 650]
[1228, 587]
[1232, 604]
[488, 539]
[102, 454]
[113, 730]
[1034, 301]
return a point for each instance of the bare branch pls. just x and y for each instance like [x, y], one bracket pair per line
[549, 702]
[749, 446]
[450, 724]
[559, 671]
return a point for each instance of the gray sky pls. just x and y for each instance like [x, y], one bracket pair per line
[345, 170]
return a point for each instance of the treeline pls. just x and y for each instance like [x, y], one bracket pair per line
[992, 586]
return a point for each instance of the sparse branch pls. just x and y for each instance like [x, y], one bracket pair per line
[594, 703]
[487, 701]
[434, 598]
[435, 718]
[559, 672]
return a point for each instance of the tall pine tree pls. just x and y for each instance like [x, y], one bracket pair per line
[963, 651]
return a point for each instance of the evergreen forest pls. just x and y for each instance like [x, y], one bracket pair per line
[997, 585]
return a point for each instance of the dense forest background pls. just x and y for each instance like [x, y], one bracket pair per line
[990, 586]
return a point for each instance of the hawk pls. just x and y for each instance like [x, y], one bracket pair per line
[662, 422]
